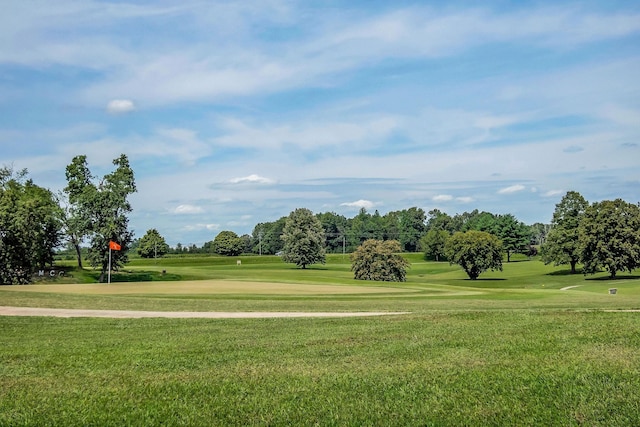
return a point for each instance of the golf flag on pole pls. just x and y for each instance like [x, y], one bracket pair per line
[113, 245]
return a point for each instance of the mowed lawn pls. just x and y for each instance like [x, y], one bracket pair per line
[512, 349]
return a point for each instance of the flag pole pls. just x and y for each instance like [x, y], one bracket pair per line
[109, 281]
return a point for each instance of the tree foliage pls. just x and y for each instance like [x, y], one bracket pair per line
[562, 242]
[102, 208]
[609, 237]
[379, 260]
[515, 235]
[335, 229]
[433, 244]
[474, 251]
[30, 227]
[411, 227]
[228, 243]
[152, 245]
[267, 237]
[303, 238]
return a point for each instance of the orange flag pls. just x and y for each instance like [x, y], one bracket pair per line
[113, 245]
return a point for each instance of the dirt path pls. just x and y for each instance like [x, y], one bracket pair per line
[127, 314]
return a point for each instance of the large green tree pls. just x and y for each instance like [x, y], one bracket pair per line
[474, 251]
[410, 224]
[433, 244]
[562, 244]
[152, 245]
[104, 208]
[228, 243]
[30, 227]
[379, 260]
[515, 235]
[303, 238]
[609, 237]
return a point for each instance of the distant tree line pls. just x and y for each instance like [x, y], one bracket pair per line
[34, 222]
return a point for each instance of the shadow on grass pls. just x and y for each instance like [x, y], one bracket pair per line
[138, 276]
[618, 277]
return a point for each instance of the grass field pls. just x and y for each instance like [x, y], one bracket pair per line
[509, 349]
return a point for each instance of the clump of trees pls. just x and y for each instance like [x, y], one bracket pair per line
[30, 226]
[303, 238]
[474, 251]
[379, 260]
[609, 237]
[97, 210]
[602, 235]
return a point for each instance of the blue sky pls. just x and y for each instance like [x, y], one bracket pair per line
[234, 113]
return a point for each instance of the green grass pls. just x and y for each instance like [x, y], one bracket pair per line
[512, 349]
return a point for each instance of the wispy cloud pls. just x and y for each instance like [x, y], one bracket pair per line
[511, 189]
[120, 106]
[359, 204]
[553, 193]
[188, 209]
[197, 227]
[442, 198]
[251, 179]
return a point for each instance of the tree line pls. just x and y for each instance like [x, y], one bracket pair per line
[93, 211]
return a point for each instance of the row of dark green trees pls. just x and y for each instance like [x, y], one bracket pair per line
[92, 211]
[600, 235]
[411, 228]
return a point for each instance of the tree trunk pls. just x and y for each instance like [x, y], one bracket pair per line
[573, 267]
[78, 254]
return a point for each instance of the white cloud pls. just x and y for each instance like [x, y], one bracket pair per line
[188, 209]
[120, 106]
[442, 198]
[552, 193]
[511, 189]
[252, 179]
[367, 204]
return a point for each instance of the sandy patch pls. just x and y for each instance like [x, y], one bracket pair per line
[126, 314]
[207, 287]
[566, 288]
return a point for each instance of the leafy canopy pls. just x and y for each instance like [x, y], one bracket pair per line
[152, 245]
[30, 227]
[303, 238]
[228, 243]
[474, 251]
[609, 237]
[101, 209]
[562, 242]
[433, 244]
[379, 260]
